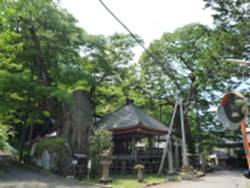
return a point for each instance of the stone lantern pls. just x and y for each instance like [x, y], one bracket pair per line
[106, 161]
[139, 168]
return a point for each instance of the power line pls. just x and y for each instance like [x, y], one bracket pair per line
[129, 31]
[138, 41]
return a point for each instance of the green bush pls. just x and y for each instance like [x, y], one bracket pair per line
[100, 142]
[52, 144]
[4, 136]
[60, 153]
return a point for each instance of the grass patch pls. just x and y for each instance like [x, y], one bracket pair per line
[129, 180]
[248, 185]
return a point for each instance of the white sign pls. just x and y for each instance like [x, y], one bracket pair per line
[89, 164]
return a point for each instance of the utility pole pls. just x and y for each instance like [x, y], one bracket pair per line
[167, 140]
[184, 151]
[170, 159]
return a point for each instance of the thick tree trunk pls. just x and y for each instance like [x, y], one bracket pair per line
[189, 137]
[78, 121]
[22, 142]
[40, 65]
[190, 140]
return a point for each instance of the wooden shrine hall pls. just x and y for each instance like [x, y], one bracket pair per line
[134, 134]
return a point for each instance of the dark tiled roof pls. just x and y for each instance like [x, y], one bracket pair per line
[130, 116]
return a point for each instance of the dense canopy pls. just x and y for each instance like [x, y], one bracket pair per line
[45, 56]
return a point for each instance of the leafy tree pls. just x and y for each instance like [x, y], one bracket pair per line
[45, 56]
[233, 18]
[100, 142]
[229, 12]
[43, 43]
[109, 70]
[231, 40]
[190, 66]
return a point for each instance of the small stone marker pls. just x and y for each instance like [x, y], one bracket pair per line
[139, 168]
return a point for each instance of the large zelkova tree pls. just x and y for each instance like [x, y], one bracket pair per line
[45, 56]
[106, 68]
[39, 43]
[189, 64]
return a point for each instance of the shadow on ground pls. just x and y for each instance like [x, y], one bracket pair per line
[15, 175]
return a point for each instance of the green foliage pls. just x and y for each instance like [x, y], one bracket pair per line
[230, 39]
[229, 12]
[181, 69]
[191, 65]
[40, 46]
[5, 132]
[109, 69]
[59, 150]
[100, 142]
[52, 144]
[44, 56]
[129, 180]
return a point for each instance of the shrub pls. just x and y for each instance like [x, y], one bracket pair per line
[59, 151]
[4, 136]
[52, 144]
[100, 142]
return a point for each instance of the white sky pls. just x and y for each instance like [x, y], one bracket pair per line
[147, 18]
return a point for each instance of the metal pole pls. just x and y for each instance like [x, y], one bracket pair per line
[184, 151]
[246, 143]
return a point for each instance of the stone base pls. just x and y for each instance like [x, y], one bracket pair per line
[173, 177]
[105, 180]
[186, 168]
[187, 173]
[199, 173]
[171, 173]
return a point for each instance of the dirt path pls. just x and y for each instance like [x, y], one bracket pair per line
[12, 176]
[219, 179]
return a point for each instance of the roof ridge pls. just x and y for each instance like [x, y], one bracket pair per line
[132, 106]
[130, 114]
[111, 113]
[147, 115]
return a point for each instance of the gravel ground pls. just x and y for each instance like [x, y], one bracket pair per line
[218, 179]
[15, 176]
